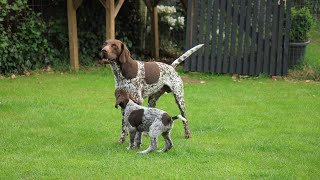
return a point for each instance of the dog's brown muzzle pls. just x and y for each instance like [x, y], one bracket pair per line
[104, 56]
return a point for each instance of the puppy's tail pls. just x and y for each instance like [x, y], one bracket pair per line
[185, 55]
[179, 117]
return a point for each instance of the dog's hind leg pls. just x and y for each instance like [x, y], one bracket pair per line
[154, 97]
[179, 97]
[153, 146]
[169, 144]
[152, 100]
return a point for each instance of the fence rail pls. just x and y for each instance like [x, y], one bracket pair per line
[240, 36]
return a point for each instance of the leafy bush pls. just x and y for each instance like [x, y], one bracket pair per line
[301, 24]
[23, 45]
[313, 5]
[171, 30]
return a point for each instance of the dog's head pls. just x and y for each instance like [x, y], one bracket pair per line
[122, 98]
[114, 51]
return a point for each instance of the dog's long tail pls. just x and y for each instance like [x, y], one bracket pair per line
[185, 55]
[179, 117]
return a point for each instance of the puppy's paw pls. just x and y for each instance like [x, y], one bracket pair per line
[121, 141]
[187, 135]
[131, 147]
[142, 153]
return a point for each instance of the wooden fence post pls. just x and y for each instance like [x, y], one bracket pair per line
[110, 24]
[73, 35]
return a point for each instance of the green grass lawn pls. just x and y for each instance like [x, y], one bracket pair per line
[65, 126]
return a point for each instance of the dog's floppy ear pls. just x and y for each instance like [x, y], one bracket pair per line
[125, 54]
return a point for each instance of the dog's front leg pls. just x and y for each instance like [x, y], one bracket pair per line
[124, 131]
[138, 140]
[132, 133]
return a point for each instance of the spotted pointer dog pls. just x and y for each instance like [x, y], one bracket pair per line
[145, 79]
[139, 118]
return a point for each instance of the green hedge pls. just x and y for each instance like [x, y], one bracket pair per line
[23, 44]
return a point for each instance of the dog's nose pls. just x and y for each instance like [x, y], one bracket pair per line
[104, 53]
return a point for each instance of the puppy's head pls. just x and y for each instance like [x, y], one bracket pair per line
[122, 98]
[114, 51]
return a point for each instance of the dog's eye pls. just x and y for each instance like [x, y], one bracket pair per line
[115, 47]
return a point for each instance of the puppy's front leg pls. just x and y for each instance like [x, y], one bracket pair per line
[132, 133]
[138, 140]
[124, 129]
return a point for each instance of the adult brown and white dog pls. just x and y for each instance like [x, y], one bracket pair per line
[145, 79]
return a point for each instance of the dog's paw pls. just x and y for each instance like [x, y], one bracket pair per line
[121, 141]
[187, 135]
[131, 147]
[142, 153]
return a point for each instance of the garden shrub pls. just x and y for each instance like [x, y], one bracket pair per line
[302, 22]
[23, 45]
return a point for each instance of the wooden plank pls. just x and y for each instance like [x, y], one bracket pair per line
[214, 37]
[267, 45]
[274, 42]
[286, 39]
[155, 32]
[110, 24]
[260, 37]
[201, 40]
[77, 4]
[117, 7]
[194, 36]
[233, 36]
[73, 35]
[187, 62]
[280, 41]
[221, 34]
[226, 58]
[239, 63]
[208, 32]
[247, 36]
[255, 17]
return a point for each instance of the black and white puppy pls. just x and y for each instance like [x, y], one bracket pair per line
[139, 118]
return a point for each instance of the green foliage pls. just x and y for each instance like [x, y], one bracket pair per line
[301, 24]
[23, 43]
[171, 29]
[313, 5]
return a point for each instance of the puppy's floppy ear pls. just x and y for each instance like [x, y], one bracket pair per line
[125, 54]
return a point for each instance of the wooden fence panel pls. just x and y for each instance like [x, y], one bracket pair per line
[214, 37]
[233, 37]
[243, 37]
[208, 34]
[260, 37]
[226, 59]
